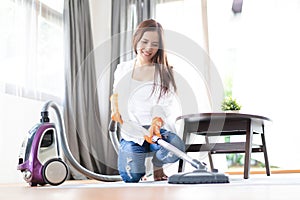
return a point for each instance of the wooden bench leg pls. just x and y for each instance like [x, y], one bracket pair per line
[186, 140]
[248, 150]
[211, 163]
[263, 139]
[180, 166]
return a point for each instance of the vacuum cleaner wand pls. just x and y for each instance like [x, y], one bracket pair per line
[195, 163]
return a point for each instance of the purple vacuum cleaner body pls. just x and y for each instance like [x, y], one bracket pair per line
[39, 158]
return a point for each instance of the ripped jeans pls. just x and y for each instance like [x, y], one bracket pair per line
[131, 160]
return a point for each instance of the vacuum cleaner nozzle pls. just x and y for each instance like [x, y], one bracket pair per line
[198, 177]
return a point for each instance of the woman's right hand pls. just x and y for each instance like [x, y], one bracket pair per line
[115, 114]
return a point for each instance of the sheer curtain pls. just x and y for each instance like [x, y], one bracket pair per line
[31, 49]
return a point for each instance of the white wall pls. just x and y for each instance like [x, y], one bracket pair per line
[17, 116]
[101, 17]
[101, 25]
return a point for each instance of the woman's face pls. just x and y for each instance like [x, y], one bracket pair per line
[147, 47]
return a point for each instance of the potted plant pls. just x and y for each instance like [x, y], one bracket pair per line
[230, 104]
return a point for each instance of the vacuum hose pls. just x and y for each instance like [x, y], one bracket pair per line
[68, 154]
[113, 132]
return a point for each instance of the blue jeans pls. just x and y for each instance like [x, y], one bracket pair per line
[131, 160]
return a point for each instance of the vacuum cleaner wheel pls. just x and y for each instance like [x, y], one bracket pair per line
[55, 171]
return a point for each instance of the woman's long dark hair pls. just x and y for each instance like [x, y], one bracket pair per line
[162, 68]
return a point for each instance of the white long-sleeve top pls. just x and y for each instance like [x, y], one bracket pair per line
[136, 103]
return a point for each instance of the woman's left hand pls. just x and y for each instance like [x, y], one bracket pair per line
[154, 129]
[115, 114]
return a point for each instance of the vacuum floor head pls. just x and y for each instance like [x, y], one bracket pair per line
[198, 177]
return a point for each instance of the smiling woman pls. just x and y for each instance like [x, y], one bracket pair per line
[151, 91]
[147, 47]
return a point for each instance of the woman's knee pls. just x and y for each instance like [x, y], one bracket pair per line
[132, 178]
[164, 156]
[131, 161]
[131, 168]
[174, 139]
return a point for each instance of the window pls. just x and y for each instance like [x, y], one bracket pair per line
[183, 19]
[257, 53]
[32, 62]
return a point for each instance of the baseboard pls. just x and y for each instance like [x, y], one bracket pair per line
[273, 171]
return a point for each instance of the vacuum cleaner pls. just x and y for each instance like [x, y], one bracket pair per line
[41, 163]
[40, 160]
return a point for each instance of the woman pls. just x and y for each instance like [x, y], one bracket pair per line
[152, 88]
